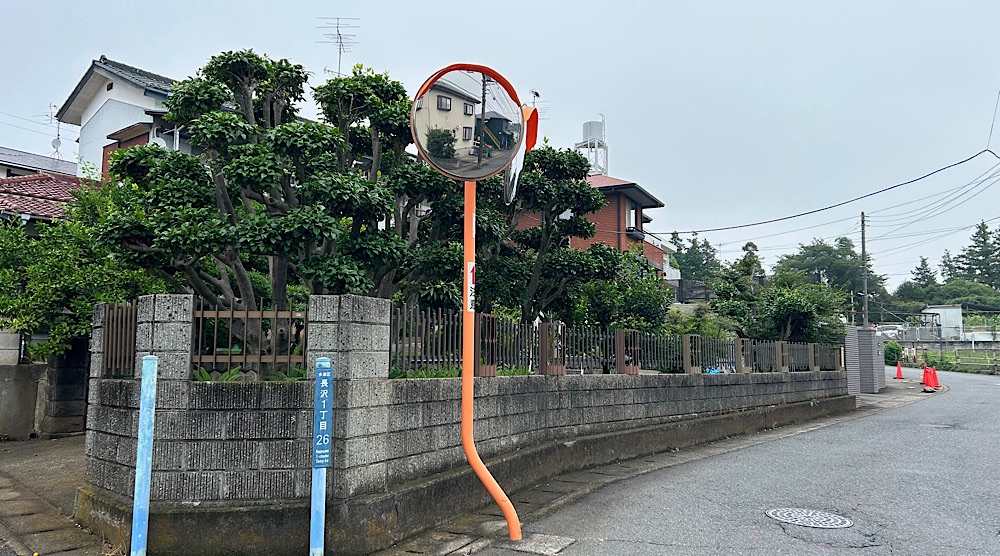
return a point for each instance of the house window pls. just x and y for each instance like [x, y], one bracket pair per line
[631, 214]
[420, 103]
[444, 103]
[467, 133]
[469, 109]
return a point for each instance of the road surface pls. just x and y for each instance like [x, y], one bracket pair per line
[923, 479]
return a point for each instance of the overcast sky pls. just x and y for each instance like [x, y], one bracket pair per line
[729, 112]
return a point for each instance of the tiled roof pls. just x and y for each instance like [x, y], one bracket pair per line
[153, 85]
[141, 77]
[31, 161]
[38, 195]
[630, 189]
[599, 180]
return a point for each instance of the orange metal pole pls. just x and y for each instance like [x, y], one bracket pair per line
[468, 366]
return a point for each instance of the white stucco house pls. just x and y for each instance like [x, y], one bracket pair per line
[117, 106]
[449, 107]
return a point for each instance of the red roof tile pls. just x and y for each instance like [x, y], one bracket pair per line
[40, 195]
[599, 180]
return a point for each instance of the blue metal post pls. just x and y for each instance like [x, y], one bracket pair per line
[322, 453]
[144, 456]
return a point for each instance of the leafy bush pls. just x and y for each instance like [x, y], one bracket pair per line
[893, 353]
[508, 370]
[440, 143]
[445, 371]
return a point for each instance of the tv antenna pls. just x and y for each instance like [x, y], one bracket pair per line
[57, 142]
[338, 33]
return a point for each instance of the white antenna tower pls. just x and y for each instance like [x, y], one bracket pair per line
[57, 142]
[338, 36]
[594, 146]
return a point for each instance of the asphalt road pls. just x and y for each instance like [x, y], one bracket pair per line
[923, 479]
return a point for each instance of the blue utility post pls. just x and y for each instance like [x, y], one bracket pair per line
[322, 444]
[144, 456]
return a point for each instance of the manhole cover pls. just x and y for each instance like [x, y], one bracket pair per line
[809, 518]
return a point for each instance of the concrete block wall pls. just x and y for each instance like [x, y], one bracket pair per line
[514, 412]
[236, 456]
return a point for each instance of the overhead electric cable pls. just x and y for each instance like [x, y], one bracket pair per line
[865, 196]
[951, 195]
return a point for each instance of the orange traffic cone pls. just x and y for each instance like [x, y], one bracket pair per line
[899, 370]
[934, 378]
[923, 378]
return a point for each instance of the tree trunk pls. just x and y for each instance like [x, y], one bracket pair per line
[279, 282]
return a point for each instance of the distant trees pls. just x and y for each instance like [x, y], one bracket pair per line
[697, 260]
[979, 260]
[791, 305]
[971, 277]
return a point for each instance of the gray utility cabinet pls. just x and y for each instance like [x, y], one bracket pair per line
[865, 361]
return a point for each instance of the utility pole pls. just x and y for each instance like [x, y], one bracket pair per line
[864, 274]
[482, 127]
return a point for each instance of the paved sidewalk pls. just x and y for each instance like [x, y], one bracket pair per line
[38, 481]
[39, 478]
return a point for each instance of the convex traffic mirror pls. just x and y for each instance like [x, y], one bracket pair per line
[468, 124]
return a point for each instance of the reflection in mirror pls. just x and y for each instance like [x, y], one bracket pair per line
[467, 126]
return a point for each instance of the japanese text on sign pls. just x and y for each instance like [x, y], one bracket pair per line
[323, 416]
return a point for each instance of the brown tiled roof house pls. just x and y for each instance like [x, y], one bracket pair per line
[40, 196]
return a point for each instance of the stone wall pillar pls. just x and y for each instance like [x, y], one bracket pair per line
[353, 331]
[691, 351]
[743, 355]
[781, 356]
[163, 329]
[813, 351]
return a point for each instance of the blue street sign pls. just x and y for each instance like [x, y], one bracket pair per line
[323, 414]
[322, 444]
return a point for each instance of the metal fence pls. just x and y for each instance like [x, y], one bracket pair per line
[119, 340]
[763, 356]
[718, 355]
[589, 350]
[798, 356]
[259, 345]
[658, 352]
[829, 357]
[430, 340]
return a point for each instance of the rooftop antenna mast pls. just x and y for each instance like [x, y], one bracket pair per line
[57, 142]
[339, 35]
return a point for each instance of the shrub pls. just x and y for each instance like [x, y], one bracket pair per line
[893, 353]
[441, 143]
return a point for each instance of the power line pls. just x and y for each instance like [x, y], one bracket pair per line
[52, 126]
[994, 120]
[943, 210]
[47, 134]
[865, 196]
[952, 194]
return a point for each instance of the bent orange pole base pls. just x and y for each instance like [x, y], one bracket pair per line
[468, 366]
